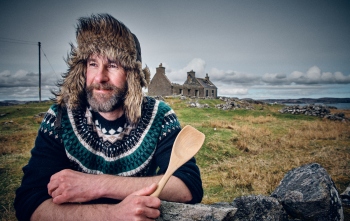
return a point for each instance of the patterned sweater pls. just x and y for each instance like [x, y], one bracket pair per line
[89, 143]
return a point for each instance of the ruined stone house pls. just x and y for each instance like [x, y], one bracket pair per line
[199, 87]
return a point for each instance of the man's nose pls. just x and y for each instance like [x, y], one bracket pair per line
[101, 75]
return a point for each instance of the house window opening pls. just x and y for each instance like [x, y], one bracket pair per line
[206, 93]
[212, 93]
[181, 92]
[197, 93]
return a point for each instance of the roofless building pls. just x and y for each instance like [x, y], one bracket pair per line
[199, 87]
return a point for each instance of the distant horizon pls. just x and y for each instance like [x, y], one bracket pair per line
[48, 99]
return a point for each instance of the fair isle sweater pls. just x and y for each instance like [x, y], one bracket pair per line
[91, 144]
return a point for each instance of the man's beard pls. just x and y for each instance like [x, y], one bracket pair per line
[105, 102]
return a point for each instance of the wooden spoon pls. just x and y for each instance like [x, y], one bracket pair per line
[187, 143]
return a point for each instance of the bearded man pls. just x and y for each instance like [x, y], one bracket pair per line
[103, 146]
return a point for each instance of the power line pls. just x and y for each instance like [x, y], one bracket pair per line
[49, 62]
[16, 41]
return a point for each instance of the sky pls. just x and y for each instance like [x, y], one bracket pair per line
[260, 49]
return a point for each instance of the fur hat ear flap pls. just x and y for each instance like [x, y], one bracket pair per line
[144, 74]
[146, 77]
[133, 98]
[72, 89]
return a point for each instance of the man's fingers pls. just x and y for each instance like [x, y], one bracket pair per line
[146, 191]
[59, 199]
[51, 187]
[148, 212]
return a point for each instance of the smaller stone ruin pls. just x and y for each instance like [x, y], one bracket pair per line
[233, 104]
[160, 98]
[322, 111]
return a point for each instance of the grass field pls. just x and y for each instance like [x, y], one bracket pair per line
[245, 152]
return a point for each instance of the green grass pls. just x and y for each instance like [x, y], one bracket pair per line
[241, 155]
[17, 139]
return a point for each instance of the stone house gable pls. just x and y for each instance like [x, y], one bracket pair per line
[199, 87]
[160, 84]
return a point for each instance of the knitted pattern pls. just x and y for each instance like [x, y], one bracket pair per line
[122, 151]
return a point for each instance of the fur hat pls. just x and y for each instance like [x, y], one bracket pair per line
[104, 35]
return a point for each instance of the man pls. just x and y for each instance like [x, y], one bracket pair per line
[103, 146]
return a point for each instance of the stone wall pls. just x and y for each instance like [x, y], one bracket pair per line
[305, 193]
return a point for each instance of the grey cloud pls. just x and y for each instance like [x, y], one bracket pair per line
[180, 76]
[25, 93]
[26, 79]
[297, 91]
[340, 78]
[275, 79]
[31, 74]
[230, 91]
[233, 77]
[312, 76]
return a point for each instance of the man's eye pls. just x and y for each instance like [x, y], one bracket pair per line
[92, 64]
[113, 66]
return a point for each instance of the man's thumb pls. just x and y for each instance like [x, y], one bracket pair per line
[146, 191]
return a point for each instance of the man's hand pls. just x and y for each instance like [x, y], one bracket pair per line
[72, 186]
[138, 205]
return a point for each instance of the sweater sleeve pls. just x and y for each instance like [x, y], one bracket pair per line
[48, 157]
[189, 172]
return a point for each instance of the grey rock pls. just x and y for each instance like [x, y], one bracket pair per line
[11, 121]
[36, 116]
[160, 98]
[5, 123]
[199, 106]
[170, 211]
[346, 193]
[345, 196]
[346, 203]
[258, 208]
[309, 193]
[42, 114]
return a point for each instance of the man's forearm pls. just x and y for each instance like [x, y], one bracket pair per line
[118, 187]
[51, 211]
[72, 186]
[136, 206]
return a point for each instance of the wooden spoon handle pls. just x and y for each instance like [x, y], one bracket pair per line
[163, 181]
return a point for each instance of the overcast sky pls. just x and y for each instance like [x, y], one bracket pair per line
[250, 49]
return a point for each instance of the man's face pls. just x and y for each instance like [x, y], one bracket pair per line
[105, 83]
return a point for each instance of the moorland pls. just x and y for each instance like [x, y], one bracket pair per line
[245, 151]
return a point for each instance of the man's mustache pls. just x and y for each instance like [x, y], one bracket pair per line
[106, 86]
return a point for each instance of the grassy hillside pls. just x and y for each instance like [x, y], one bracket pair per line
[245, 152]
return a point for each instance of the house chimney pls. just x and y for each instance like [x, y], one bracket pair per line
[191, 73]
[207, 77]
[160, 69]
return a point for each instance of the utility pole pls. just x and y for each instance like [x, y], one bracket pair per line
[39, 44]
